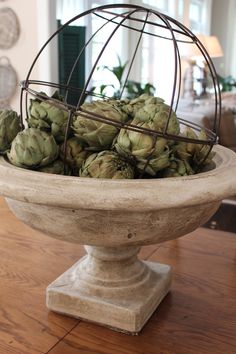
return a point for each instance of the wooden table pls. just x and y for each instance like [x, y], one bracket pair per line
[197, 317]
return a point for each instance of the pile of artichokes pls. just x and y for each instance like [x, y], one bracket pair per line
[94, 148]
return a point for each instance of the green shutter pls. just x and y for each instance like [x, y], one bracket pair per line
[71, 41]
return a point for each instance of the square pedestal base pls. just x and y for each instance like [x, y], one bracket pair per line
[126, 313]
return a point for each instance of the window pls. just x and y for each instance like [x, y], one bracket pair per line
[195, 14]
[161, 5]
[66, 10]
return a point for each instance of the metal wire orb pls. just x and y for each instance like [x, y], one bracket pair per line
[143, 22]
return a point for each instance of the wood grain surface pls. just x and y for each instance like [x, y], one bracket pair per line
[198, 316]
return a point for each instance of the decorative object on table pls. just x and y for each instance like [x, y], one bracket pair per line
[9, 28]
[214, 50]
[189, 54]
[199, 73]
[189, 92]
[115, 217]
[8, 82]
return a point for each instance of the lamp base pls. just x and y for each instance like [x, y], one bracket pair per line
[118, 291]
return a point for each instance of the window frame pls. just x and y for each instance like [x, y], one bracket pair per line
[173, 11]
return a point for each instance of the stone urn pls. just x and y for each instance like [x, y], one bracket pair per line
[114, 218]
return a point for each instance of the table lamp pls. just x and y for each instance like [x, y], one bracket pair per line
[191, 53]
[213, 47]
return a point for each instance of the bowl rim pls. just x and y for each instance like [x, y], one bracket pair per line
[131, 195]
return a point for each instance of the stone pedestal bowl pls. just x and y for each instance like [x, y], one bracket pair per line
[113, 218]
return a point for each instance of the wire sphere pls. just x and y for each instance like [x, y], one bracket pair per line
[143, 23]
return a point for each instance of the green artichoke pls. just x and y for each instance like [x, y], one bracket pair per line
[98, 135]
[149, 113]
[177, 168]
[33, 148]
[56, 167]
[46, 116]
[185, 150]
[75, 154]
[121, 104]
[9, 128]
[106, 164]
[191, 152]
[131, 107]
[155, 164]
[142, 147]
[203, 154]
[155, 113]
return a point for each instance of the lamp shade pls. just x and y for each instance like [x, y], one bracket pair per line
[212, 45]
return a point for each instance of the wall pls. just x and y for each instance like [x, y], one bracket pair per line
[23, 52]
[37, 22]
[46, 26]
[224, 27]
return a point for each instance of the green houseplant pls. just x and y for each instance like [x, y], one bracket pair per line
[227, 83]
[132, 88]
